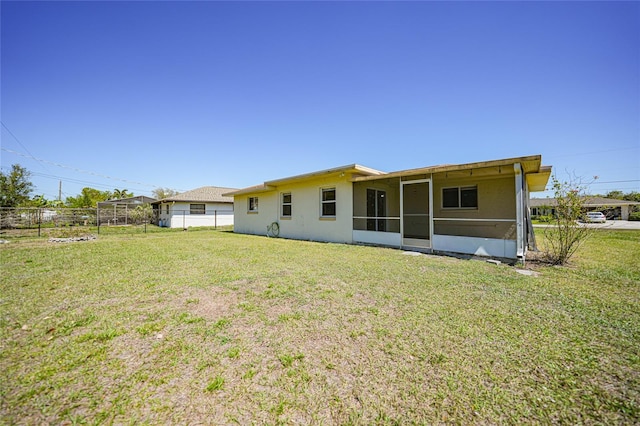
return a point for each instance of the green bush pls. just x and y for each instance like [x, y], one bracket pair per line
[546, 219]
[566, 236]
[634, 216]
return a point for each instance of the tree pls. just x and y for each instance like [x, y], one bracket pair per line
[566, 234]
[632, 196]
[89, 197]
[618, 195]
[142, 213]
[162, 193]
[15, 187]
[118, 194]
[37, 201]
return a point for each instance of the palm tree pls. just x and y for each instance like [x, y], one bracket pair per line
[121, 193]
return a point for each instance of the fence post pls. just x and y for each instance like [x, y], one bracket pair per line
[215, 219]
[39, 221]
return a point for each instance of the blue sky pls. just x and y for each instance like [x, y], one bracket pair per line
[138, 95]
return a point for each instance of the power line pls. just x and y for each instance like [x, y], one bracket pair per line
[42, 162]
[83, 182]
[18, 140]
[76, 169]
[552, 157]
[616, 181]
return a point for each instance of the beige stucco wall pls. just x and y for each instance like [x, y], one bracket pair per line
[305, 222]
[496, 200]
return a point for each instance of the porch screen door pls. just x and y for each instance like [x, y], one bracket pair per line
[416, 214]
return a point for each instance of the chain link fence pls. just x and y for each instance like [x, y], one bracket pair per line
[65, 222]
[113, 219]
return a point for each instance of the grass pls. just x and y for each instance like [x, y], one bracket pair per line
[213, 327]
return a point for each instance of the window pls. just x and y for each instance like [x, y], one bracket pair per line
[253, 204]
[462, 197]
[286, 204]
[196, 208]
[167, 209]
[328, 202]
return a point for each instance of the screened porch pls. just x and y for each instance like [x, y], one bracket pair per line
[393, 212]
[464, 211]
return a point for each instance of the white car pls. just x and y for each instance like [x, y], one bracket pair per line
[595, 217]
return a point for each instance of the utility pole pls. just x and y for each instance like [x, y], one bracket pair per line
[60, 191]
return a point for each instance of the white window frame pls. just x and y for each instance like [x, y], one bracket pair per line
[191, 208]
[460, 189]
[252, 205]
[323, 202]
[283, 204]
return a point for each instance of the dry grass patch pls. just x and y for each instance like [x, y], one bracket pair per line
[212, 327]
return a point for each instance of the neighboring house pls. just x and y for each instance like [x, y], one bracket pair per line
[618, 209]
[204, 206]
[477, 208]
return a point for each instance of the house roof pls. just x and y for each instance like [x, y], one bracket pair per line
[530, 164]
[205, 194]
[140, 199]
[354, 169]
[588, 201]
[537, 175]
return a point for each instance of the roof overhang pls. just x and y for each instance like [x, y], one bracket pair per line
[351, 170]
[189, 200]
[530, 164]
[538, 181]
[537, 175]
[250, 190]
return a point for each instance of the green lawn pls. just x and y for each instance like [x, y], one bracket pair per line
[209, 327]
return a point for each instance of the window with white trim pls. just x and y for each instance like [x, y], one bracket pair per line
[464, 197]
[286, 204]
[196, 209]
[328, 202]
[253, 204]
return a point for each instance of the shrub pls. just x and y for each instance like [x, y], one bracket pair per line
[142, 213]
[634, 216]
[545, 219]
[566, 236]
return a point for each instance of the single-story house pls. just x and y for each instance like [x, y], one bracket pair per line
[616, 209]
[205, 206]
[477, 208]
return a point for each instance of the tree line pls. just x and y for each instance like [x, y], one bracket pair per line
[16, 190]
[619, 195]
